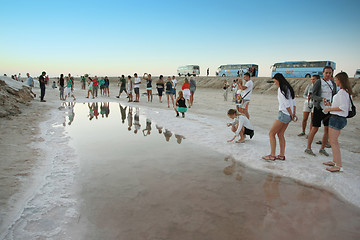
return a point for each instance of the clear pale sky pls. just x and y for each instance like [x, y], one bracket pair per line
[123, 37]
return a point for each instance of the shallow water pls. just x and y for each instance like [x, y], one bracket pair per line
[138, 180]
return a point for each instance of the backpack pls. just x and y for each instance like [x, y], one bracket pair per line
[352, 112]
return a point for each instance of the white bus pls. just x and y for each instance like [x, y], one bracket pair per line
[188, 70]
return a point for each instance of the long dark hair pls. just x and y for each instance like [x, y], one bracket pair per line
[344, 82]
[284, 86]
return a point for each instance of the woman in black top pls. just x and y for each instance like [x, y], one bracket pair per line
[160, 86]
[180, 105]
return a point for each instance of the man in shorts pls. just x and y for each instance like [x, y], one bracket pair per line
[245, 94]
[322, 94]
[122, 86]
[174, 83]
[137, 82]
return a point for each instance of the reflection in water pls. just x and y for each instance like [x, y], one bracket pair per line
[187, 196]
[147, 130]
[235, 167]
[130, 119]
[123, 113]
[70, 113]
[104, 109]
[137, 124]
[167, 134]
[159, 128]
[179, 138]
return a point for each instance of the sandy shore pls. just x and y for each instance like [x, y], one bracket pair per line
[25, 150]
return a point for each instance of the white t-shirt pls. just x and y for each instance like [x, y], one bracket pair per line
[174, 82]
[249, 84]
[285, 103]
[243, 122]
[326, 92]
[341, 100]
[136, 82]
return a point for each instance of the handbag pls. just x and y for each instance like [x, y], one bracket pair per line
[352, 112]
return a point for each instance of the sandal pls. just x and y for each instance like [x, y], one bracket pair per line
[335, 169]
[319, 142]
[269, 157]
[279, 157]
[301, 134]
[331, 164]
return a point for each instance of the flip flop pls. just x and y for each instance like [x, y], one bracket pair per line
[335, 169]
[301, 134]
[269, 157]
[331, 164]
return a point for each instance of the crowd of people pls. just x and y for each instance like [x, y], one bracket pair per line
[327, 101]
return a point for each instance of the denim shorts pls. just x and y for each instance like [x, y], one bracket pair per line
[282, 117]
[336, 122]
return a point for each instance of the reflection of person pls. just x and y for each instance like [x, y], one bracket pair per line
[339, 110]
[271, 188]
[180, 105]
[123, 113]
[106, 109]
[130, 118]
[287, 113]
[159, 128]
[137, 121]
[241, 126]
[147, 128]
[91, 111]
[71, 114]
[96, 110]
[323, 91]
[160, 87]
[308, 106]
[42, 86]
[192, 90]
[179, 138]
[167, 134]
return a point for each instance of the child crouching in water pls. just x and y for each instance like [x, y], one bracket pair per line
[180, 105]
[241, 126]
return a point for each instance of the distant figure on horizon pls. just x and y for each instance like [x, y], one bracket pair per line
[130, 88]
[192, 90]
[42, 86]
[122, 86]
[30, 83]
[226, 90]
[61, 86]
[137, 82]
[168, 90]
[207, 72]
[160, 85]
[19, 77]
[83, 82]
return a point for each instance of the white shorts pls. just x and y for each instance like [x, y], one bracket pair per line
[306, 107]
[68, 91]
[186, 93]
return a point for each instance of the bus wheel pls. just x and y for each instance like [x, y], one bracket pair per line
[223, 75]
[307, 76]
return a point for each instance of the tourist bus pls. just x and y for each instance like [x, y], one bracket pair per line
[235, 70]
[188, 70]
[301, 69]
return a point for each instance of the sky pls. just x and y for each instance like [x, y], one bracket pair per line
[123, 37]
